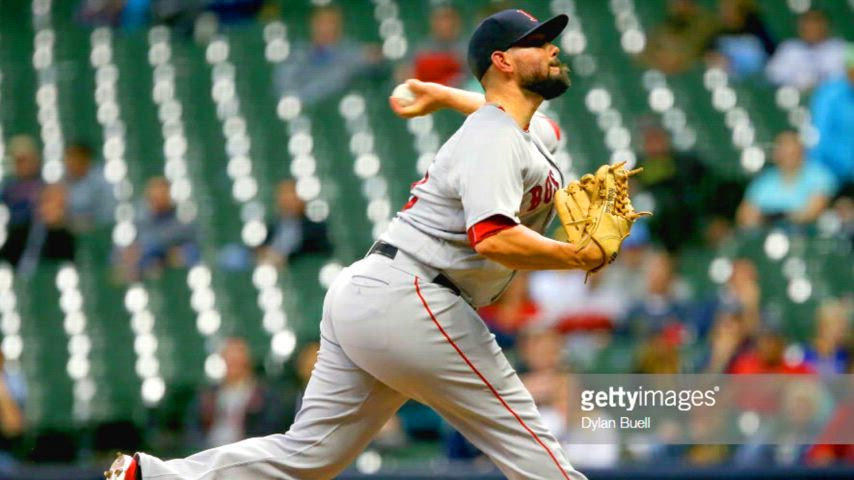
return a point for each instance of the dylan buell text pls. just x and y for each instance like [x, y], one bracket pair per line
[623, 423]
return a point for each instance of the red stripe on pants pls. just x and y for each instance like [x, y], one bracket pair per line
[486, 382]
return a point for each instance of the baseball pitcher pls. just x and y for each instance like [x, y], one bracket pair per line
[401, 323]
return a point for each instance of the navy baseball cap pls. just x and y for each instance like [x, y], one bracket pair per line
[506, 29]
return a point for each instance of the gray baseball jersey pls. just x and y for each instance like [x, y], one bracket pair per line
[488, 167]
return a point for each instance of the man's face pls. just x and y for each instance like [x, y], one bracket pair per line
[655, 141]
[445, 24]
[76, 163]
[538, 68]
[238, 361]
[542, 350]
[287, 200]
[812, 27]
[27, 165]
[788, 152]
[326, 27]
[159, 199]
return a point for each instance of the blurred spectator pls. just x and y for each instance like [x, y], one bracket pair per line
[659, 355]
[828, 450]
[827, 353]
[718, 230]
[742, 294]
[811, 58]
[731, 319]
[587, 310]
[13, 396]
[843, 210]
[20, 194]
[728, 338]
[512, 312]
[737, 316]
[570, 304]
[126, 14]
[50, 238]
[240, 406]
[766, 356]
[327, 64]
[743, 44]
[678, 42]
[703, 430]
[163, 240]
[235, 11]
[292, 233]
[782, 435]
[90, 197]
[833, 117]
[546, 378]
[664, 309]
[442, 57]
[181, 15]
[680, 185]
[792, 190]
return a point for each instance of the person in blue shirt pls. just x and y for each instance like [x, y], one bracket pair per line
[91, 201]
[833, 117]
[163, 239]
[292, 233]
[793, 189]
[327, 64]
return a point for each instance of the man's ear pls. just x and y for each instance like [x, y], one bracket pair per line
[501, 62]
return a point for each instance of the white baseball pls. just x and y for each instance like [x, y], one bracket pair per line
[403, 94]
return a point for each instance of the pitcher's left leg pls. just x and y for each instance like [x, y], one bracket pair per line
[452, 363]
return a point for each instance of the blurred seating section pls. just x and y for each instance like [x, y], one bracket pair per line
[98, 354]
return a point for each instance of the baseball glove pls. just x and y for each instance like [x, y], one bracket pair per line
[596, 208]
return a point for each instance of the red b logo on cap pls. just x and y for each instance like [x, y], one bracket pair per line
[530, 17]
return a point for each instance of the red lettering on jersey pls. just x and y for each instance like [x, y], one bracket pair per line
[544, 193]
[550, 190]
[551, 187]
[536, 197]
[413, 198]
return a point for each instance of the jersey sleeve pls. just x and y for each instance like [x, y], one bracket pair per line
[490, 176]
[547, 130]
[487, 228]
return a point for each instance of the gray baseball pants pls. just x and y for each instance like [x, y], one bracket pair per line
[389, 334]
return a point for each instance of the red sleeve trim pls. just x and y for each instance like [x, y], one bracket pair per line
[486, 228]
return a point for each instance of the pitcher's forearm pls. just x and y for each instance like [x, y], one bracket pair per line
[521, 248]
[462, 101]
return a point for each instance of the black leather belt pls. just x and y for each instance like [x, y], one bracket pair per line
[390, 251]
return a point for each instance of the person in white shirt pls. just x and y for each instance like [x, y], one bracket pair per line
[813, 57]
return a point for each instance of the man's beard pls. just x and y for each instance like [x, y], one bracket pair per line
[550, 86]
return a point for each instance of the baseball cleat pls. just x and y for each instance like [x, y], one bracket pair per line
[123, 468]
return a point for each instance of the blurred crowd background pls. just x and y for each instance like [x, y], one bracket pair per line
[182, 179]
